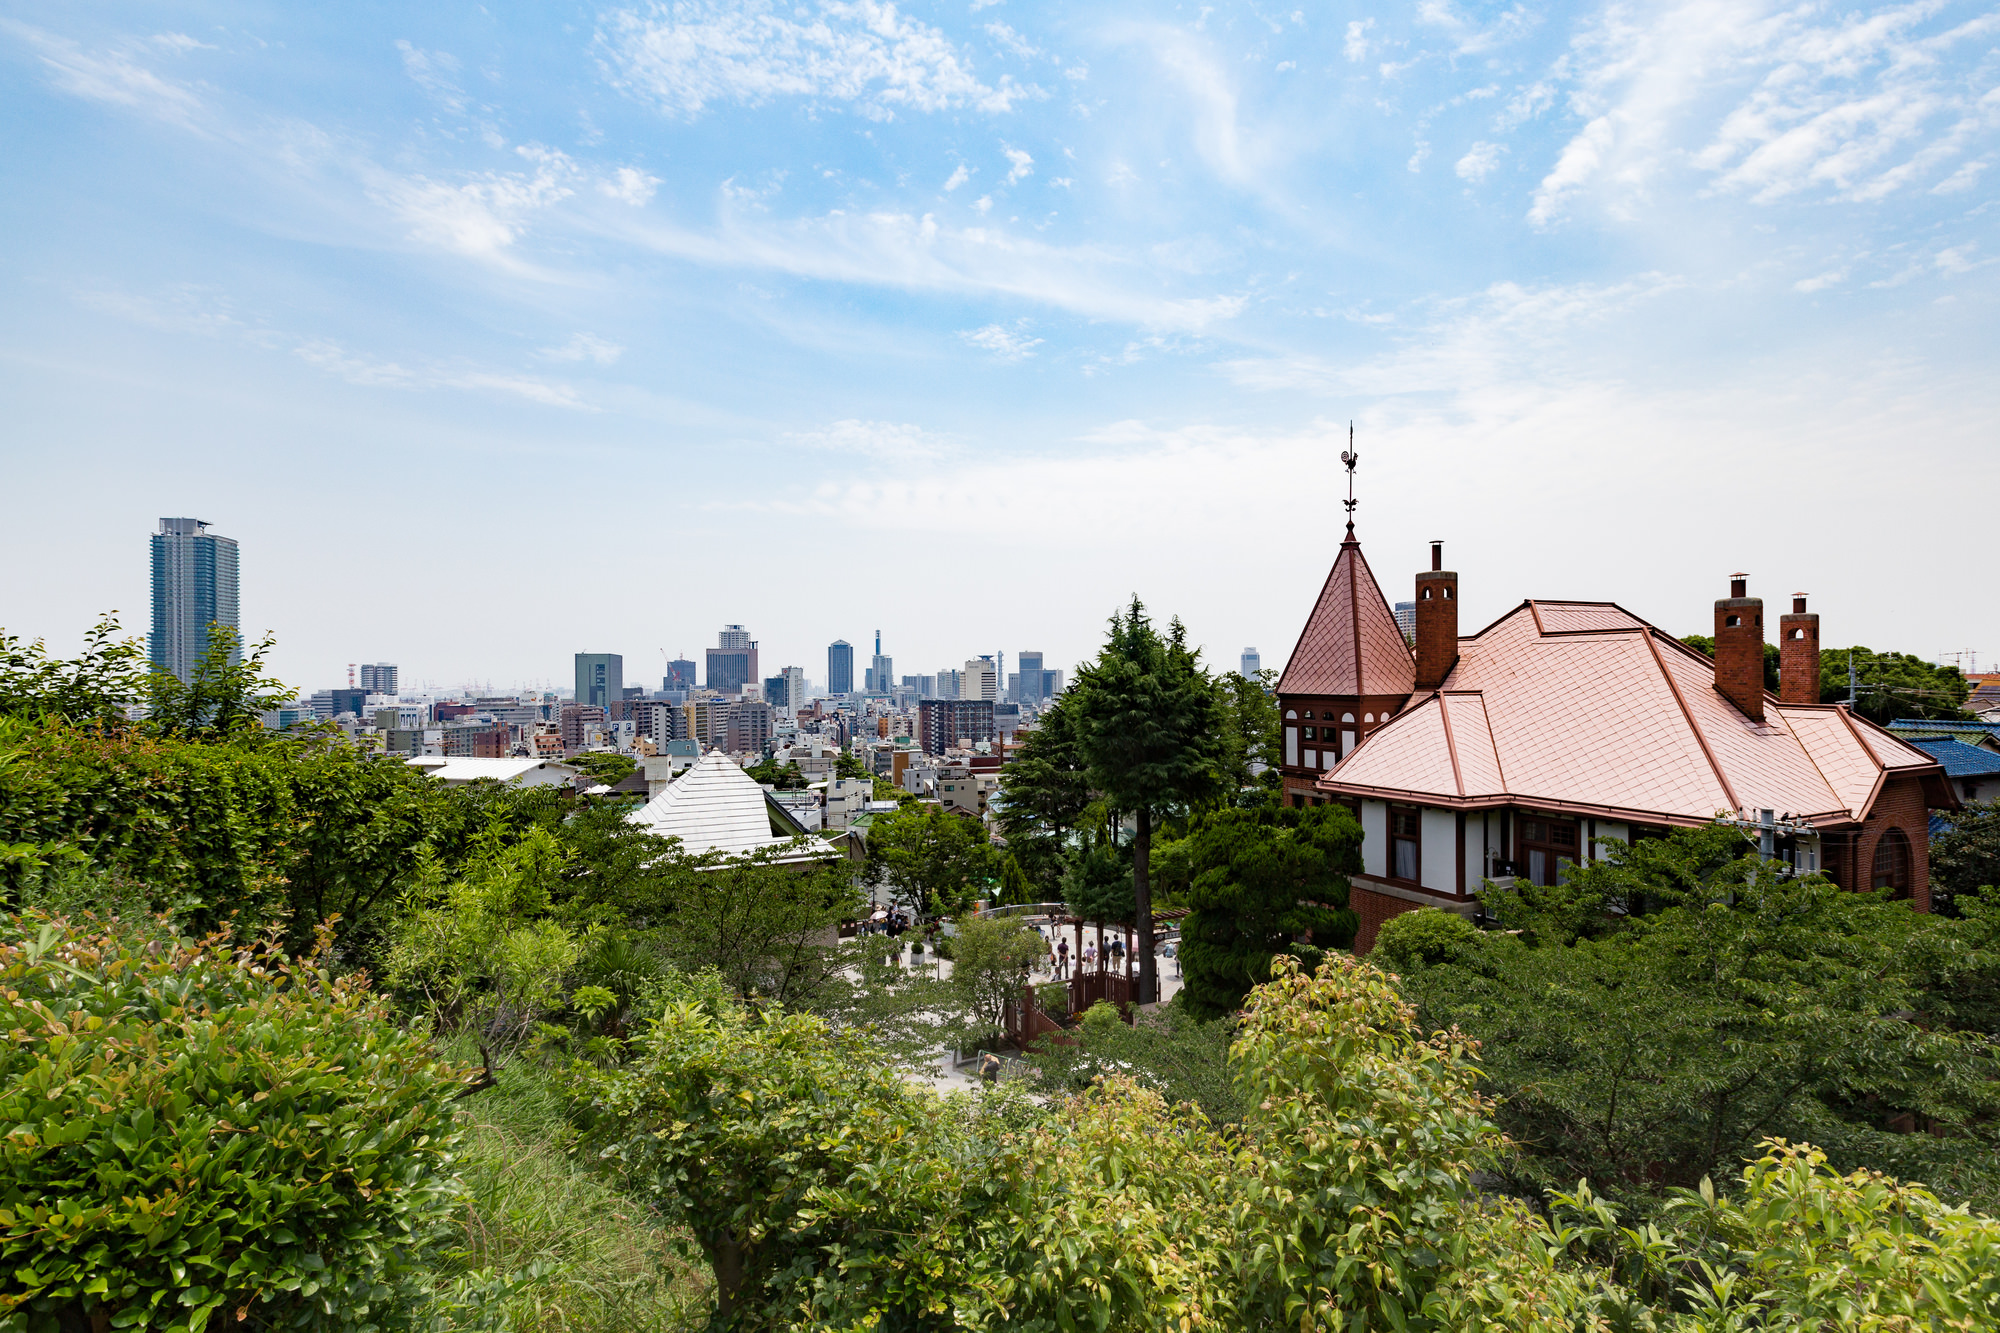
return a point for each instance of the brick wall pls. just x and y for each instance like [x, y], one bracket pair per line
[1901, 805]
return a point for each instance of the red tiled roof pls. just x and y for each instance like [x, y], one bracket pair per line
[1351, 645]
[1585, 704]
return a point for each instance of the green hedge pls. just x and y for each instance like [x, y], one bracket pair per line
[205, 1133]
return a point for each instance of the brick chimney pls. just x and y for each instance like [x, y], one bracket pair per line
[1739, 648]
[1798, 654]
[1437, 621]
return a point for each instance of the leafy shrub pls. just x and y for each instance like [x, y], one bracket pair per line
[202, 1132]
[1423, 938]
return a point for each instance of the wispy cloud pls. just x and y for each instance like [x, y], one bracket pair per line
[883, 441]
[686, 56]
[1021, 165]
[434, 72]
[115, 74]
[585, 347]
[482, 214]
[1776, 102]
[1006, 344]
[1479, 161]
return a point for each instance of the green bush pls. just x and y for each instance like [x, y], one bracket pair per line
[206, 1132]
[1423, 938]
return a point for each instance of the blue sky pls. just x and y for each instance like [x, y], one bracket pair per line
[496, 336]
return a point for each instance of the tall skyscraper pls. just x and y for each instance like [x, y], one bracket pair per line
[1251, 664]
[840, 667]
[732, 663]
[1406, 621]
[981, 680]
[194, 586]
[881, 670]
[795, 687]
[378, 677]
[1030, 689]
[680, 675]
[600, 679]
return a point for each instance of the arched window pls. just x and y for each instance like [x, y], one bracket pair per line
[1892, 863]
[1291, 714]
[1797, 634]
[1347, 717]
[1367, 717]
[1426, 594]
[1731, 622]
[1447, 592]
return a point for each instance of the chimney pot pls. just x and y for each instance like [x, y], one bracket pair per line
[1437, 555]
[1739, 585]
[1798, 602]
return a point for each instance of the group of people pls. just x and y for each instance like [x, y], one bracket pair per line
[1059, 960]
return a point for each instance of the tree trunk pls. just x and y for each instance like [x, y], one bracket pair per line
[725, 1257]
[1142, 897]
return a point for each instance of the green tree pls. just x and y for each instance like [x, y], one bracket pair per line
[1423, 938]
[1965, 856]
[1150, 725]
[204, 1133]
[1663, 1011]
[1166, 1050]
[1705, 645]
[605, 766]
[991, 958]
[1255, 734]
[785, 777]
[768, 927]
[847, 764]
[1045, 792]
[933, 862]
[98, 686]
[224, 698]
[1892, 685]
[1265, 882]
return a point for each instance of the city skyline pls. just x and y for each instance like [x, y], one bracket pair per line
[1621, 298]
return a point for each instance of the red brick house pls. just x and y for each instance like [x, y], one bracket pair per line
[1513, 750]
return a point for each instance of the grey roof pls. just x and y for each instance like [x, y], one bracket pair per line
[717, 807]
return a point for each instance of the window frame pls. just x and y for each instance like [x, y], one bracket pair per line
[1416, 841]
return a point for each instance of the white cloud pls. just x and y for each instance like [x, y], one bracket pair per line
[686, 56]
[629, 185]
[1358, 47]
[1769, 101]
[1820, 282]
[180, 42]
[1468, 37]
[984, 203]
[1006, 344]
[1479, 161]
[331, 357]
[887, 441]
[432, 71]
[957, 178]
[1022, 166]
[481, 216]
[585, 347]
[114, 75]
[1963, 179]
[1010, 39]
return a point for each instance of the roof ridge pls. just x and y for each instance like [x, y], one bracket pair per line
[1687, 715]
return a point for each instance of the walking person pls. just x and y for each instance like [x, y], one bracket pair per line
[1062, 958]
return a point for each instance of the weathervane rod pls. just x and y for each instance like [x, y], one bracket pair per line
[1350, 458]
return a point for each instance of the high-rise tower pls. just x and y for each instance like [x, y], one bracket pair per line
[194, 587]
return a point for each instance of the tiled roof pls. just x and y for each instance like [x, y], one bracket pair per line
[717, 807]
[1984, 734]
[1586, 705]
[1959, 759]
[1350, 645]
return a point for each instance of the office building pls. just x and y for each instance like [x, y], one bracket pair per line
[579, 722]
[924, 687]
[944, 723]
[1406, 621]
[840, 667]
[1029, 676]
[981, 680]
[600, 679]
[795, 687]
[377, 678]
[1052, 684]
[1250, 664]
[881, 670]
[732, 663]
[194, 587]
[749, 726]
[680, 675]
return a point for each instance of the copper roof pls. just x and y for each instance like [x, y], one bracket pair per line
[1350, 645]
[1586, 705]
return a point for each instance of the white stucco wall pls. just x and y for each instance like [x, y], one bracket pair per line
[1440, 857]
[1608, 829]
[1375, 838]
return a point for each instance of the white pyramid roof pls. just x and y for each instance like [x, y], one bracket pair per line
[717, 807]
